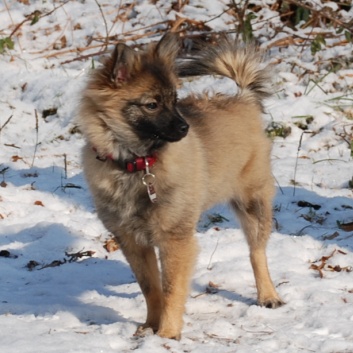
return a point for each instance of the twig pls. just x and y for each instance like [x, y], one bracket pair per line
[11, 145]
[65, 165]
[296, 162]
[282, 192]
[83, 57]
[322, 13]
[8, 10]
[214, 251]
[5, 123]
[37, 132]
[105, 23]
[30, 18]
[215, 17]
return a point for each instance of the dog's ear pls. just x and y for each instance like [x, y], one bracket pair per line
[125, 61]
[168, 47]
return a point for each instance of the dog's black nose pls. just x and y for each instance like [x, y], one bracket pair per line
[183, 128]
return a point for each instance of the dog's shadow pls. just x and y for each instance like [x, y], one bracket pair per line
[55, 284]
[297, 212]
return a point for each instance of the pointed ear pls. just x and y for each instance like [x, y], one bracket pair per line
[124, 61]
[168, 47]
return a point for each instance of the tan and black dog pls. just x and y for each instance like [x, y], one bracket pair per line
[155, 163]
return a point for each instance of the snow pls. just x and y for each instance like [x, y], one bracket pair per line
[94, 304]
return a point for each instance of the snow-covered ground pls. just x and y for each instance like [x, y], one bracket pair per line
[92, 303]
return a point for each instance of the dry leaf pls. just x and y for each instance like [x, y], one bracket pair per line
[213, 285]
[334, 268]
[347, 227]
[24, 87]
[32, 264]
[111, 245]
[60, 44]
[39, 203]
[4, 253]
[212, 288]
[78, 255]
[332, 236]
[77, 26]
[16, 158]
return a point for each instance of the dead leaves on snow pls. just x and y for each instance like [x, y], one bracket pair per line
[347, 227]
[321, 265]
[6, 253]
[70, 257]
[212, 288]
[111, 245]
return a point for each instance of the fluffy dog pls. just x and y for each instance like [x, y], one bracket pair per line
[155, 163]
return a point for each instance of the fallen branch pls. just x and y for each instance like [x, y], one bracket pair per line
[36, 13]
[322, 13]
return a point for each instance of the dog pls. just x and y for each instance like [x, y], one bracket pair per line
[154, 163]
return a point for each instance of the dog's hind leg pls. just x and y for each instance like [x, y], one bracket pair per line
[256, 219]
[177, 255]
[143, 262]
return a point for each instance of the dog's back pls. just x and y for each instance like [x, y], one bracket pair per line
[230, 126]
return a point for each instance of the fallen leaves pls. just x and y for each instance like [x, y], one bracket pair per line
[212, 288]
[78, 255]
[111, 245]
[16, 158]
[324, 266]
[331, 236]
[215, 218]
[6, 253]
[347, 227]
[308, 204]
[184, 23]
[70, 257]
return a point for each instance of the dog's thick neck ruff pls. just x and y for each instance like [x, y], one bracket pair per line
[133, 165]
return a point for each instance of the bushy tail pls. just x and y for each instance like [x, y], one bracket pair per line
[242, 63]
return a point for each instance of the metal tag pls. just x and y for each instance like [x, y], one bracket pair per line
[149, 179]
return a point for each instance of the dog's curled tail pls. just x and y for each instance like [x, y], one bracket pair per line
[243, 63]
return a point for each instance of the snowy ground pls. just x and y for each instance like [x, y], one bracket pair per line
[94, 304]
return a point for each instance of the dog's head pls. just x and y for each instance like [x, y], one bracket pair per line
[135, 94]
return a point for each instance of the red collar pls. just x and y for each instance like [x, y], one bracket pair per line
[135, 165]
[139, 163]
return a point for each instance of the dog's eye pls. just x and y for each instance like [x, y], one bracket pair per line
[151, 106]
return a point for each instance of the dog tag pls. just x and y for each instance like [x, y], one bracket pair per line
[148, 180]
[152, 193]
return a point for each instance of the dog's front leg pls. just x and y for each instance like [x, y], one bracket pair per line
[177, 255]
[143, 262]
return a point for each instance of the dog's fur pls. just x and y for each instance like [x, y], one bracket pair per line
[208, 150]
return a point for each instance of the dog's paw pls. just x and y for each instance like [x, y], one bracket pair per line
[144, 331]
[271, 303]
[169, 334]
